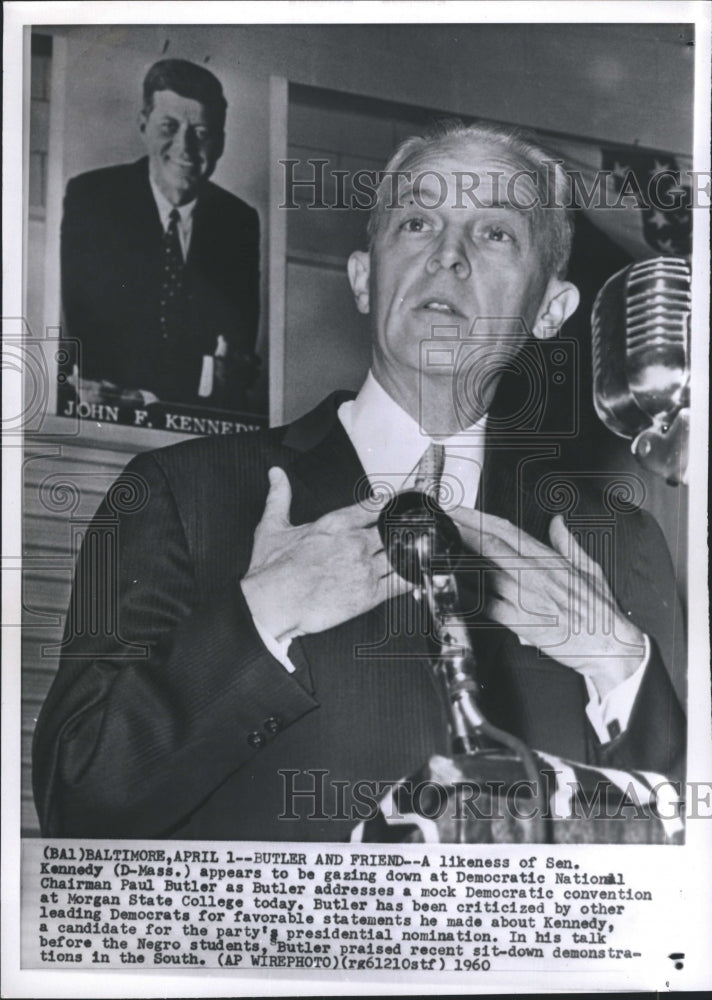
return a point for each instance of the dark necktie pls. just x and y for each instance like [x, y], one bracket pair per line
[173, 279]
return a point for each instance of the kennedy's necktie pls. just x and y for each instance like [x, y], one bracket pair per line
[430, 470]
[172, 285]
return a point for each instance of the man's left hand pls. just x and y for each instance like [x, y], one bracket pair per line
[554, 598]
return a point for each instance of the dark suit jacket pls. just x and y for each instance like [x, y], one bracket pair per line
[186, 737]
[111, 283]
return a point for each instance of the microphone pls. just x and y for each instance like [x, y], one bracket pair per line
[641, 361]
[415, 530]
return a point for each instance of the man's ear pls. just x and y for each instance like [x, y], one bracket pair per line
[142, 119]
[359, 271]
[559, 302]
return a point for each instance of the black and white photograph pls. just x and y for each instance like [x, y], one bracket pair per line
[359, 435]
[159, 267]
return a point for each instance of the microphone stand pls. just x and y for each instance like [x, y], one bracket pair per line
[415, 531]
[454, 668]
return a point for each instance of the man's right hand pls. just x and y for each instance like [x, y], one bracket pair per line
[310, 577]
[93, 391]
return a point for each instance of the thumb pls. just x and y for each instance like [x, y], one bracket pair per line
[567, 546]
[279, 499]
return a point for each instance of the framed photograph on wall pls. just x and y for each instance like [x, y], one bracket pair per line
[145, 268]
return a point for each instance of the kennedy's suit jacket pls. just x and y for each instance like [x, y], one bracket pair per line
[111, 284]
[185, 733]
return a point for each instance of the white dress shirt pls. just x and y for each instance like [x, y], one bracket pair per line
[185, 223]
[390, 444]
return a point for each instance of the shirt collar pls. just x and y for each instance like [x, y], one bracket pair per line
[165, 208]
[390, 443]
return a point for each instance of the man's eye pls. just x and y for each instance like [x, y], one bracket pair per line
[498, 235]
[202, 134]
[168, 128]
[415, 225]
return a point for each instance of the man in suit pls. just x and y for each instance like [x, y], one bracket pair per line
[258, 676]
[160, 267]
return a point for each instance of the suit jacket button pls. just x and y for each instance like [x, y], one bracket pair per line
[273, 724]
[256, 740]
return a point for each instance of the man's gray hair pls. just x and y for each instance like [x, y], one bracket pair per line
[553, 223]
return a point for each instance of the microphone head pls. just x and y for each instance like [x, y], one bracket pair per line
[641, 345]
[414, 523]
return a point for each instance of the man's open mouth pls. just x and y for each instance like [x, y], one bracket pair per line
[440, 306]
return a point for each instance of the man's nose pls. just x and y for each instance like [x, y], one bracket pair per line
[450, 255]
[184, 141]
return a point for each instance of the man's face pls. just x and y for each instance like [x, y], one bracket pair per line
[183, 145]
[459, 270]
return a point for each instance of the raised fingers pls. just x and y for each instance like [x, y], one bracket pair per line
[565, 543]
[505, 543]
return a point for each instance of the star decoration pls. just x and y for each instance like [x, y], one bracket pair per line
[657, 219]
[667, 246]
[652, 182]
[620, 170]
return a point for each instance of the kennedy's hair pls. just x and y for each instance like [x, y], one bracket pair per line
[552, 221]
[188, 80]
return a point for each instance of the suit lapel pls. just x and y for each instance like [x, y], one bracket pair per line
[497, 494]
[143, 208]
[201, 227]
[507, 489]
[324, 474]
[209, 241]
